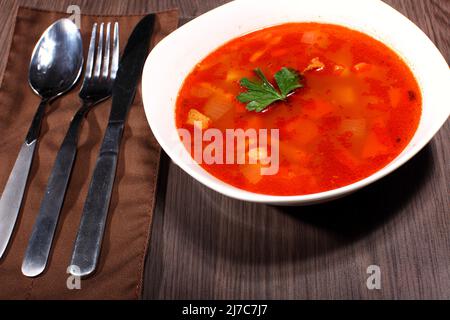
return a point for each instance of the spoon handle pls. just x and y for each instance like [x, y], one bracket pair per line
[12, 195]
[44, 228]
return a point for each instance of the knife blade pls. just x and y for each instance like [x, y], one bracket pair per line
[89, 238]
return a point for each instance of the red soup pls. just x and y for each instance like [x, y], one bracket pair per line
[357, 109]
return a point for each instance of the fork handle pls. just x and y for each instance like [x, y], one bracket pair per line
[90, 233]
[41, 239]
[11, 198]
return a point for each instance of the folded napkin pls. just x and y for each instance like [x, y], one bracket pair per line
[121, 265]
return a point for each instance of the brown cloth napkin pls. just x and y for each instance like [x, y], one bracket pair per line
[120, 271]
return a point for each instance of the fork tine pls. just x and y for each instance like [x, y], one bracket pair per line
[107, 51]
[90, 58]
[98, 59]
[115, 54]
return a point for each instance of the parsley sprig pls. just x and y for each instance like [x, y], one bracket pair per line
[260, 95]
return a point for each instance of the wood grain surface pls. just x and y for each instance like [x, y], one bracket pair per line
[207, 246]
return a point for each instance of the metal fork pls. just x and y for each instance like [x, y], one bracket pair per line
[96, 87]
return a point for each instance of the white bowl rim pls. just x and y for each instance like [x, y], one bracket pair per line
[234, 192]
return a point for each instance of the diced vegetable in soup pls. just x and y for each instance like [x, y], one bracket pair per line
[344, 104]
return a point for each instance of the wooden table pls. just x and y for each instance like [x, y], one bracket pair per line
[207, 246]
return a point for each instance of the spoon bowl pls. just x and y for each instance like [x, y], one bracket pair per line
[57, 60]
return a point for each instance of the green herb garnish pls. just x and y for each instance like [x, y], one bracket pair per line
[260, 95]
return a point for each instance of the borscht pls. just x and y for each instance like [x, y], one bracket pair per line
[343, 104]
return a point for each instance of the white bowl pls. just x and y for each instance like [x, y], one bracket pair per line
[175, 56]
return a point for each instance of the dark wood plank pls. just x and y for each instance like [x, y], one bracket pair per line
[205, 245]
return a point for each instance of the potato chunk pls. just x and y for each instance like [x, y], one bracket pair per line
[196, 117]
[217, 106]
[257, 154]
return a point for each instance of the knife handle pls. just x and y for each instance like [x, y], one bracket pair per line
[11, 199]
[88, 243]
[41, 239]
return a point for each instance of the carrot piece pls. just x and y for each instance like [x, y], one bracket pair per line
[305, 130]
[254, 57]
[373, 147]
[252, 172]
[205, 89]
[346, 158]
[279, 52]
[319, 108]
[362, 67]
[255, 122]
[344, 94]
[293, 153]
[395, 96]
[275, 40]
[234, 75]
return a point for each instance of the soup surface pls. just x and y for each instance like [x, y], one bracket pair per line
[357, 110]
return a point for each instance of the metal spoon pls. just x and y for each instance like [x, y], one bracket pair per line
[55, 67]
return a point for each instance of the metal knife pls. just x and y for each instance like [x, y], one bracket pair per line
[88, 243]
